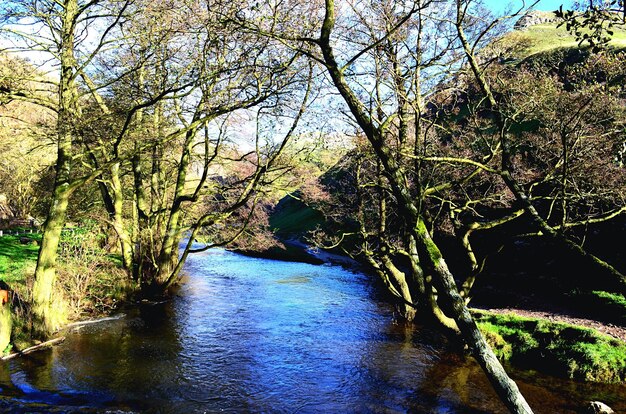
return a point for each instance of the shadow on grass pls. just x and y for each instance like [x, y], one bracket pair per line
[15, 254]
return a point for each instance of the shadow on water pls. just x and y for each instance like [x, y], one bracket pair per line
[254, 335]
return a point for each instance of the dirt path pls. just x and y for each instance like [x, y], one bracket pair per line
[618, 332]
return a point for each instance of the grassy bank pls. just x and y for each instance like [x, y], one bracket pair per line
[555, 348]
[16, 258]
[90, 282]
[293, 217]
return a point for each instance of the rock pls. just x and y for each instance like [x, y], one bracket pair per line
[27, 240]
[534, 17]
[597, 407]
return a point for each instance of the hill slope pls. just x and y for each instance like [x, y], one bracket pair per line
[544, 37]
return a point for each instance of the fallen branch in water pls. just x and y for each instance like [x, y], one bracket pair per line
[34, 348]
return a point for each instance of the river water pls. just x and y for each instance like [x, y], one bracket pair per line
[253, 335]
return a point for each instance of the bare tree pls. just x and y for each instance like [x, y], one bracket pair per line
[172, 120]
[369, 38]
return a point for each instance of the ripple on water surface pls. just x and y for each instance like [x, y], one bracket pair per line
[254, 335]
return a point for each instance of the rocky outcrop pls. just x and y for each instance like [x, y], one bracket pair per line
[535, 17]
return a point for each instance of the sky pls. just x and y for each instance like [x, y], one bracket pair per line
[501, 5]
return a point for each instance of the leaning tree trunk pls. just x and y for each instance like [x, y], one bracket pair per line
[504, 386]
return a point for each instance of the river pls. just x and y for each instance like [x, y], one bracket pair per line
[253, 335]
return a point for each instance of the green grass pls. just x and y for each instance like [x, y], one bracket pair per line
[555, 348]
[612, 299]
[16, 257]
[605, 306]
[544, 37]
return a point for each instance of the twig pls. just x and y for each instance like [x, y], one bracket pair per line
[46, 344]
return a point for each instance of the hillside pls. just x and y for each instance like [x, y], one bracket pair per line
[545, 36]
[540, 45]
[523, 274]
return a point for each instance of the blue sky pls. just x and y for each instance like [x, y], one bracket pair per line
[500, 5]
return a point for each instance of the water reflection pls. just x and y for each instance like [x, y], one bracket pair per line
[252, 335]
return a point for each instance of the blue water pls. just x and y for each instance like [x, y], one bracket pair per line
[254, 335]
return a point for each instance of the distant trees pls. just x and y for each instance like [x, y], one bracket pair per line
[25, 148]
[559, 142]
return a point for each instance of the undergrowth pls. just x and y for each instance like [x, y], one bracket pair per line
[90, 282]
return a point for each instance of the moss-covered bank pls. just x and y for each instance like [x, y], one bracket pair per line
[555, 348]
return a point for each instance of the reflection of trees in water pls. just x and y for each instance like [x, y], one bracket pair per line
[455, 381]
[391, 369]
[413, 369]
[113, 361]
[407, 368]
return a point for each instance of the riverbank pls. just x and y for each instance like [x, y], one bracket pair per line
[517, 335]
[295, 250]
[563, 316]
[556, 348]
[90, 284]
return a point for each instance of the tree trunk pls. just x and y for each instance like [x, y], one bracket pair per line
[126, 246]
[47, 312]
[168, 257]
[504, 386]
[47, 319]
[398, 278]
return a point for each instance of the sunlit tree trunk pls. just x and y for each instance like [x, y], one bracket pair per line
[168, 257]
[47, 316]
[119, 224]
